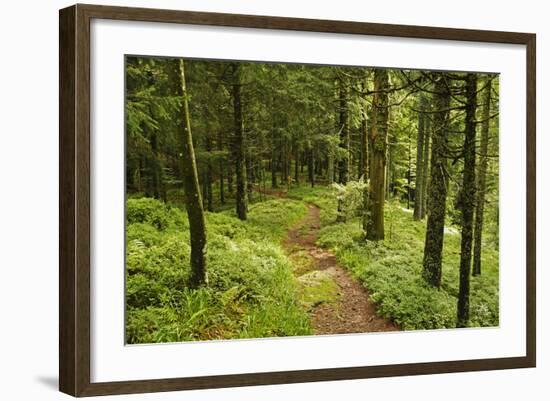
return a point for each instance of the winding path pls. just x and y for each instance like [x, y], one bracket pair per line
[351, 311]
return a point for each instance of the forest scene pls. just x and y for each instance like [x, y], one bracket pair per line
[270, 200]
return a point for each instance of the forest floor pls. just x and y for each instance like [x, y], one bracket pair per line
[337, 302]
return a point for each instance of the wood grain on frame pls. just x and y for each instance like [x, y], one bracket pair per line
[74, 199]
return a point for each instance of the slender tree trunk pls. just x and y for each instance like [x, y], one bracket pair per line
[202, 183]
[288, 164]
[311, 167]
[467, 203]
[296, 163]
[343, 163]
[155, 167]
[230, 175]
[221, 169]
[238, 145]
[208, 180]
[481, 178]
[273, 161]
[389, 171]
[364, 171]
[409, 171]
[378, 141]
[330, 168]
[140, 176]
[437, 193]
[419, 185]
[426, 163]
[193, 201]
[250, 177]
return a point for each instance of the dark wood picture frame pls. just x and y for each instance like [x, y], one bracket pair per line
[74, 200]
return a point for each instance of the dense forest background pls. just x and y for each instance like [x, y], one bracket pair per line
[394, 171]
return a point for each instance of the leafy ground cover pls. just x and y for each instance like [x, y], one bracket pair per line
[252, 291]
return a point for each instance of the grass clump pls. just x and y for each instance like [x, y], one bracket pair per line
[252, 292]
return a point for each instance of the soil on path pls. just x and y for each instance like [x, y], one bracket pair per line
[350, 311]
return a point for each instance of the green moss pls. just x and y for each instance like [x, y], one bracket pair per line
[317, 287]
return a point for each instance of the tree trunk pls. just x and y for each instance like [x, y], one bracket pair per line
[221, 169]
[426, 164]
[139, 180]
[437, 193]
[467, 203]
[193, 201]
[273, 161]
[343, 163]
[330, 169]
[250, 177]
[296, 165]
[409, 170]
[364, 171]
[238, 144]
[481, 178]
[230, 175]
[378, 144]
[208, 177]
[419, 185]
[311, 167]
[155, 167]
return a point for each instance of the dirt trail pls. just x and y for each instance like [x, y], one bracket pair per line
[350, 311]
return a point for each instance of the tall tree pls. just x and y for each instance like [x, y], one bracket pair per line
[378, 144]
[419, 186]
[467, 202]
[193, 201]
[238, 142]
[481, 176]
[437, 192]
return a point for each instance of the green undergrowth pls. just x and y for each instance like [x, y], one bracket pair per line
[392, 269]
[251, 293]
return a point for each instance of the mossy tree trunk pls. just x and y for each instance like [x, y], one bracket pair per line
[193, 201]
[467, 203]
[378, 140]
[481, 178]
[437, 192]
[238, 143]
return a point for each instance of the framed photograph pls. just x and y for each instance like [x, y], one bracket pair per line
[249, 200]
